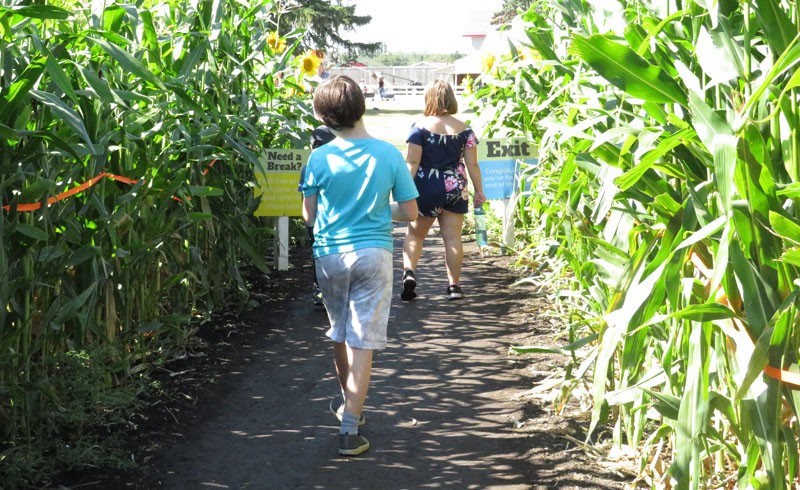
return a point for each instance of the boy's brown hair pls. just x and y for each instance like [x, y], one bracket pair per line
[440, 99]
[339, 102]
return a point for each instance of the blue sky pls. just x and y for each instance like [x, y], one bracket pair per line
[421, 26]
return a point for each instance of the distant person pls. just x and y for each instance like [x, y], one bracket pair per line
[347, 189]
[320, 136]
[363, 85]
[441, 151]
[381, 88]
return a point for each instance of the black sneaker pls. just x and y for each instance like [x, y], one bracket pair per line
[409, 284]
[454, 292]
[352, 445]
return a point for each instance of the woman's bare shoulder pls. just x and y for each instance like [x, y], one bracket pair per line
[442, 124]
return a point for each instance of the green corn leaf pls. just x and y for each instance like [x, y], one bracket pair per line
[150, 38]
[32, 231]
[703, 233]
[667, 405]
[101, 87]
[631, 177]
[205, 190]
[781, 30]
[704, 313]
[694, 409]
[706, 122]
[68, 310]
[716, 61]
[751, 290]
[59, 77]
[113, 16]
[128, 62]
[200, 216]
[19, 91]
[83, 254]
[785, 227]
[785, 62]
[628, 71]
[42, 12]
[566, 350]
[724, 151]
[791, 256]
[66, 113]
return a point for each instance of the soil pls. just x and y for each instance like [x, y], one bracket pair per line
[448, 407]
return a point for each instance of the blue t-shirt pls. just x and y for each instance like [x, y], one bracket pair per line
[353, 181]
[441, 150]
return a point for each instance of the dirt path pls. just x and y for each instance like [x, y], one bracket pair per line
[446, 407]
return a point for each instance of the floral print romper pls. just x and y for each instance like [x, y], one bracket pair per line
[442, 177]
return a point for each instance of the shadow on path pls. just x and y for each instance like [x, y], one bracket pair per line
[446, 407]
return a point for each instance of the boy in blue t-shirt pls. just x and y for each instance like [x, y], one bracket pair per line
[348, 187]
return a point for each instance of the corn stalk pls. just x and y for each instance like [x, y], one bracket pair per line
[669, 145]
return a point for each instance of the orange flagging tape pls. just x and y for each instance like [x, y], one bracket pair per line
[209, 166]
[788, 377]
[52, 200]
[119, 178]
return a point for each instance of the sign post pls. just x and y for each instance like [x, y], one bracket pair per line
[501, 161]
[276, 184]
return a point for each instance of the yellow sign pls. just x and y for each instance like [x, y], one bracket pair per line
[276, 183]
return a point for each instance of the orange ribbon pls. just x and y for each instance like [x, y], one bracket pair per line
[119, 178]
[790, 378]
[52, 200]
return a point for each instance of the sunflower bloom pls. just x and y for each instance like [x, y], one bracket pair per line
[277, 43]
[309, 63]
[487, 62]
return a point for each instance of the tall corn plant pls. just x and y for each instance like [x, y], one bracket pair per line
[164, 107]
[669, 174]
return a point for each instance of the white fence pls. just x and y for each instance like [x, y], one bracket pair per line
[398, 76]
[401, 80]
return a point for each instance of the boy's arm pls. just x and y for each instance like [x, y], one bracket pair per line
[310, 209]
[405, 211]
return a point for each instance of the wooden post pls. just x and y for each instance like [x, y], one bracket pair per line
[282, 257]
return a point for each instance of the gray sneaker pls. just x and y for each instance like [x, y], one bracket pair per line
[338, 412]
[352, 445]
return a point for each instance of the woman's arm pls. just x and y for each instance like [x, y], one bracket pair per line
[413, 157]
[474, 171]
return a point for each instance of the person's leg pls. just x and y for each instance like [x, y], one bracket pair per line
[359, 370]
[413, 241]
[342, 365]
[450, 226]
[412, 251]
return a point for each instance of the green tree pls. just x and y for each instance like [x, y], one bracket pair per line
[325, 22]
[510, 10]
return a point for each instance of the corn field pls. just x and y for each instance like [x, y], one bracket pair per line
[666, 203]
[130, 134]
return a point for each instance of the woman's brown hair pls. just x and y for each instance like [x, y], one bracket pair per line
[339, 102]
[440, 99]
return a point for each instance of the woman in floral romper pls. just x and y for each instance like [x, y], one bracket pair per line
[442, 151]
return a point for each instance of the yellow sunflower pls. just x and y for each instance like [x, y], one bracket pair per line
[277, 43]
[309, 63]
[487, 62]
